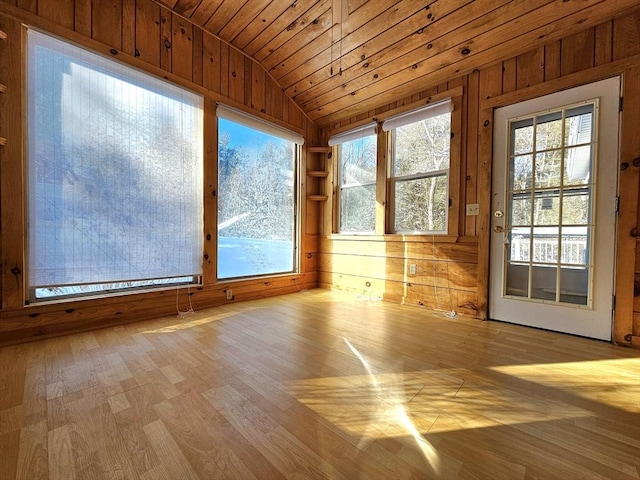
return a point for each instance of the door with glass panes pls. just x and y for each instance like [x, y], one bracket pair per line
[554, 210]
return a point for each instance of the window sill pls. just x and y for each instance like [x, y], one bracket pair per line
[397, 237]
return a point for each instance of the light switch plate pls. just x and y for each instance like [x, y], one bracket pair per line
[473, 209]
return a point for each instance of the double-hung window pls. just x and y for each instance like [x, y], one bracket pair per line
[419, 174]
[256, 196]
[114, 175]
[357, 160]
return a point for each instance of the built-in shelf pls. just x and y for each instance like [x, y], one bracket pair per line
[317, 158]
[3, 35]
[317, 173]
[317, 198]
[319, 149]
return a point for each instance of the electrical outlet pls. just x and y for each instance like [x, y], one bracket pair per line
[229, 293]
[413, 268]
[473, 209]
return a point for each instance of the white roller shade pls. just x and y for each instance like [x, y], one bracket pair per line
[430, 111]
[257, 123]
[355, 134]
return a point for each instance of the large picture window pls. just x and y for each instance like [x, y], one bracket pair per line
[114, 175]
[419, 181]
[256, 196]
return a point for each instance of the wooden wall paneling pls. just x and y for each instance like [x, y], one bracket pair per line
[628, 214]
[509, 75]
[129, 27]
[529, 68]
[58, 11]
[490, 85]
[603, 43]
[552, 60]
[210, 255]
[28, 5]
[247, 80]
[383, 169]
[198, 56]
[258, 87]
[455, 151]
[225, 69]
[276, 95]
[462, 172]
[185, 8]
[422, 248]
[82, 19]
[107, 22]
[626, 36]
[148, 39]
[12, 223]
[578, 52]
[165, 38]
[471, 176]
[236, 75]
[211, 66]
[181, 47]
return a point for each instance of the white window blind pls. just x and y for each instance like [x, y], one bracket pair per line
[355, 134]
[407, 118]
[115, 172]
[259, 124]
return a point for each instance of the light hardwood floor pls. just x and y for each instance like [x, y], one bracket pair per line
[319, 385]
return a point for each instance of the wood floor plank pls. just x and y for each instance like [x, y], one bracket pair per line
[319, 385]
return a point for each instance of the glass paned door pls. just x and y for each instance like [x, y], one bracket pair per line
[550, 203]
[553, 210]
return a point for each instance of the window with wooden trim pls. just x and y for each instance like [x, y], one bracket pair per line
[357, 159]
[256, 196]
[114, 175]
[419, 173]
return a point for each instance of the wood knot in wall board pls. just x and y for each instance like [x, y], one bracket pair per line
[167, 43]
[470, 306]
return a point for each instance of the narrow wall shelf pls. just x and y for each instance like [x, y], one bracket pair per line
[319, 149]
[317, 173]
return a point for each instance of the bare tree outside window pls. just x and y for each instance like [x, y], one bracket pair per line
[357, 179]
[420, 175]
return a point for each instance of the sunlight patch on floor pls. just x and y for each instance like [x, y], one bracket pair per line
[578, 378]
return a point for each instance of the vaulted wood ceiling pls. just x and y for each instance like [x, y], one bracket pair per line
[342, 58]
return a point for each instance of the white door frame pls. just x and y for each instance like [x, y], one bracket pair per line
[595, 322]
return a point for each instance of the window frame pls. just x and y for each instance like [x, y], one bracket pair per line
[247, 120]
[117, 286]
[341, 186]
[452, 173]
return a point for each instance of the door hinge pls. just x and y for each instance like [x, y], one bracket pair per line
[617, 204]
[621, 103]
[613, 302]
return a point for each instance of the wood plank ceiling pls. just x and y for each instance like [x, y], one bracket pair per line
[343, 58]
